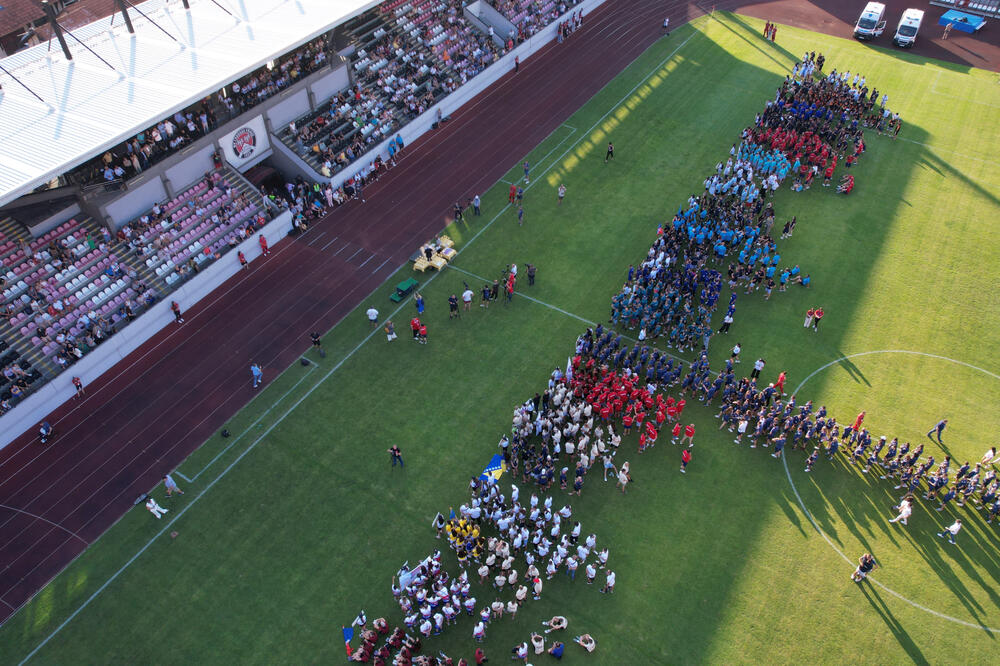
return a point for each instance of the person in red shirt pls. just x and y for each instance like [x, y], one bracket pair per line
[688, 435]
[675, 433]
[858, 421]
[512, 193]
[780, 384]
[415, 327]
[243, 259]
[263, 245]
[627, 423]
[817, 315]
[685, 459]
[422, 334]
[828, 176]
[809, 318]
[78, 383]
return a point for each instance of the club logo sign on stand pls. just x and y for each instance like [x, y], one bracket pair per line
[247, 144]
[244, 143]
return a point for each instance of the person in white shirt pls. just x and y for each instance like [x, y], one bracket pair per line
[988, 457]
[155, 508]
[905, 510]
[372, 314]
[609, 585]
[951, 531]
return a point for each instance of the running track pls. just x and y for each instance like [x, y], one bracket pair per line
[148, 413]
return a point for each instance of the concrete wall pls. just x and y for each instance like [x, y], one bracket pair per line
[294, 103]
[484, 15]
[198, 161]
[329, 86]
[54, 220]
[135, 202]
[28, 414]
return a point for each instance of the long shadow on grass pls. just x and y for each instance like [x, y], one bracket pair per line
[892, 624]
[841, 280]
[861, 504]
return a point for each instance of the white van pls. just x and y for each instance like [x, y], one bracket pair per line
[871, 23]
[909, 26]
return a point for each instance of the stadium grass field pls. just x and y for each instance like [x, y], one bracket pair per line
[300, 522]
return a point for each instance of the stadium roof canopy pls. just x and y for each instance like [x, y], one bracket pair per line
[86, 107]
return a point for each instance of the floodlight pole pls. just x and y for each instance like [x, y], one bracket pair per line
[128, 20]
[50, 14]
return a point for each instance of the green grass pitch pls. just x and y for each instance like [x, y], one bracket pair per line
[301, 522]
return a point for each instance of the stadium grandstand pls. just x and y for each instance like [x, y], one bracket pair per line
[134, 149]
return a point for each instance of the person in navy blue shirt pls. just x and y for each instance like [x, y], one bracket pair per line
[939, 428]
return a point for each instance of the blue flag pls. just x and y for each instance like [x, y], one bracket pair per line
[348, 635]
[494, 468]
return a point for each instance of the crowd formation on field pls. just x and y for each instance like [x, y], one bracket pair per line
[769, 419]
[812, 124]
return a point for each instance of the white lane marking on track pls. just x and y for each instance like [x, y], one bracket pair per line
[253, 445]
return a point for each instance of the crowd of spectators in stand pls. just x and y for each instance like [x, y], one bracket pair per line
[72, 288]
[355, 119]
[184, 127]
[461, 46]
[66, 291]
[16, 377]
[408, 58]
[530, 16]
[176, 237]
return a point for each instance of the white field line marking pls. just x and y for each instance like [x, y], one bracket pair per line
[182, 476]
[950, 96]
[328, 374]
[567, 313]
[543, 158]
[802, 505]
[938, 149]
[253, 425]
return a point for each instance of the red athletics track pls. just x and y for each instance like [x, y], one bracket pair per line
[153, 409]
